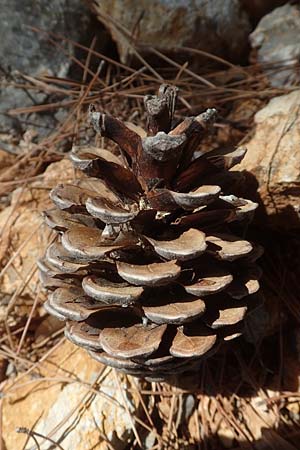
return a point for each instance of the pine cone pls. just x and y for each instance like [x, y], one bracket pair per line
[145, 270]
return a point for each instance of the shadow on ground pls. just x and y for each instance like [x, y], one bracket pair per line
[258, 375]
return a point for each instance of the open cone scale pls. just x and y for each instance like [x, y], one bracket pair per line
[145, 270]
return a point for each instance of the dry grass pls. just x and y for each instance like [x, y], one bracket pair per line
[238, 393]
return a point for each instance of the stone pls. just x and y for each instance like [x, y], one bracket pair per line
[275, 44]
[22, 225]
[257, 415]
[24, 237]
[218, 26]
[258, 8]
[61, 400]
[226, 435]
[273, 157]
[29, 52]
[6, 160]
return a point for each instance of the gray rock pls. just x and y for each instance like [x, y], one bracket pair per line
[276, 42]
[258, 8]
[26, 51]
[217, 26]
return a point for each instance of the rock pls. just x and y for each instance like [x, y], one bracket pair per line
[71, 408]
[20, 224]
[273, 157]
[6, 160]
[150, 440]
[257, 415]
[218, 26]
[275, 43]
[31, 53]
[24, 237]
[226, 435]
[46, 327]
[258, 8]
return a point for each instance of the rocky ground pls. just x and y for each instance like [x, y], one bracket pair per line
[52, 395]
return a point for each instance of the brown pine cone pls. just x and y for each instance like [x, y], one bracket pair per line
[145, 270]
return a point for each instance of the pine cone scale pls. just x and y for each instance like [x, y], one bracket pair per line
[109, 292]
